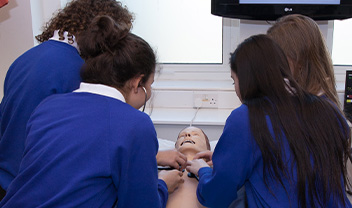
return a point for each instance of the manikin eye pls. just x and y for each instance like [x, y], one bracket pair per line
[181, 136]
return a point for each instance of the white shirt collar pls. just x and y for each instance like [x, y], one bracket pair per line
[101, 90]
[57, 38]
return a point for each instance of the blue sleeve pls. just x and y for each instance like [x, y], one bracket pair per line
[135, 173]
[163, 192]
[232, 163]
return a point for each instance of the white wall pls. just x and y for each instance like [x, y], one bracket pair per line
[21, 20]
[15, 34]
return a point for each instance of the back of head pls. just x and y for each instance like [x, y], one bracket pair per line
[261, 66]
[304, 45]
[78, 14]
[113, 55]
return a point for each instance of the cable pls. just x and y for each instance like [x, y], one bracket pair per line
[194, 116]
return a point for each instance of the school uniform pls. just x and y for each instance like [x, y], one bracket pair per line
[88, 149]
[237, 161]
[51, 67]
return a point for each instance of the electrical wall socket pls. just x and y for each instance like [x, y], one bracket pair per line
[205, 100]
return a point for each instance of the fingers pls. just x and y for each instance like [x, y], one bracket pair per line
[182, 157]
[180, 179]
[182, 161]
[189, 167]
[207, 155]
[177, 173]
[210, 163]
[194, 165]
[175, 165]
[172, 158]
[168, 175]
[175, 180]
[179, 162]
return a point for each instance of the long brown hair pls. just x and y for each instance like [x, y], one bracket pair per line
[303, 43]
[78, 14]
[316, 132]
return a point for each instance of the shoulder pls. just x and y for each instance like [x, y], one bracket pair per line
[52, 48]
[131, 118]
[53, 100]
[134, 127]
[49, 60]
[127, 112]
[55, 104]
[237, 124]
[57, 54]
[239, 115]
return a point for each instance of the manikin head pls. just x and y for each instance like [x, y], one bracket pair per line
[192, 139]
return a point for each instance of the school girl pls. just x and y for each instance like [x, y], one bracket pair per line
[52, 67]
[92, 147]
[286, 146]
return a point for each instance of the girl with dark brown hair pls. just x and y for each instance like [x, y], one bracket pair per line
[52, 67]
[288, 147]
[93, 147]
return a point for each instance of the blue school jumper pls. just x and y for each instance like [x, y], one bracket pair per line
[49, 68]
[238, 161]
[88, 150]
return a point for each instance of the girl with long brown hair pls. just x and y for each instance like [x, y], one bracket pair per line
[288, 147]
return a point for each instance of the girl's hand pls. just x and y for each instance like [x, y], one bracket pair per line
[206, 155]
[171, 158]
[172, 178]
[194, 165]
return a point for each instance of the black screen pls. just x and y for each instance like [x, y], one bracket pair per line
[271, 10]
[347, 107]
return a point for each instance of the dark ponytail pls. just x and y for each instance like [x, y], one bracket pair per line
[113, 55]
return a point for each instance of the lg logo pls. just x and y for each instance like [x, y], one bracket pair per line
[288, 9]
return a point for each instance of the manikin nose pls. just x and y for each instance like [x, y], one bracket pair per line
[188, 135]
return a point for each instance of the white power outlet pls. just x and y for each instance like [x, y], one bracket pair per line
[205, 100]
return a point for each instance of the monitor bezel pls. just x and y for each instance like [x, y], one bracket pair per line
[233, 9]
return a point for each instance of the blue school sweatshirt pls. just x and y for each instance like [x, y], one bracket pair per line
[237, 162]
[88, 150]
[49, 68]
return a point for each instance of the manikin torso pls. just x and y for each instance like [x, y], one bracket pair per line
[190, 141]
[185, 195]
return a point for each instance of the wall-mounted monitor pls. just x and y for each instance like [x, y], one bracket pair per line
[347, 105]
[273, 9]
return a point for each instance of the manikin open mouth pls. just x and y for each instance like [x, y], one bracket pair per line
[188, 141]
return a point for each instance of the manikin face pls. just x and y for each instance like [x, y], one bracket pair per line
[236, 83]
[191, 138]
